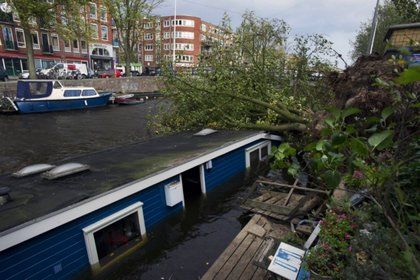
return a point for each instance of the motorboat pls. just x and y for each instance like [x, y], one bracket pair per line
[36, 96]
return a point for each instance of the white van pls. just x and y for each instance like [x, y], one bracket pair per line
[60, 70]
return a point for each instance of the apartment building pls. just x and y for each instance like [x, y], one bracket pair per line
[192, 37]
[49, 48]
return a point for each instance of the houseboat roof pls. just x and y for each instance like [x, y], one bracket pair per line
[140, 164]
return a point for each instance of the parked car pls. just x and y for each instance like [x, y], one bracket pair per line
[110, 73]
[3, 75]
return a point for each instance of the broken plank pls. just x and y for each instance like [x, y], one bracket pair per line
[290, 186]
[257, 230]
[276, 209]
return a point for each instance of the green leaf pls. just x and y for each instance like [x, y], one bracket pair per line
[350, 111]
[321, 145]
[338, 139]
[332, 178]
[329, 121]
[335, 113]
[378, 138]
[358, 147]
[373, 120]
[388, 111]
[310, 147]
[409, 76]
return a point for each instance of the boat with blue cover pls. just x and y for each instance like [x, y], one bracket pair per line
[36, 96]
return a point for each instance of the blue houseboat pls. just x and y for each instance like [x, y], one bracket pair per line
[54, 227]
[36, 96]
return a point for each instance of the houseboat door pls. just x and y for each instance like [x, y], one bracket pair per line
[192, 183]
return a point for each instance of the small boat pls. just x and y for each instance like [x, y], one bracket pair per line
[36, 96]
[121, 98]
[131, 101]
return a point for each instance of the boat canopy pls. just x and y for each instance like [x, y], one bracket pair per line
[34, 89]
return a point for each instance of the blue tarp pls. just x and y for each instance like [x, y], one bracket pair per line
[34, 89]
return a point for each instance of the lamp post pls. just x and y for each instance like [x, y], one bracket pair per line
[373, 31]
[174, 39]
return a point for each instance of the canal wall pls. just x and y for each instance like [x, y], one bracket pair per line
[146, 84]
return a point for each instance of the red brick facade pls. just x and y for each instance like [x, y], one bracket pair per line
[191, 32]
[50, 48]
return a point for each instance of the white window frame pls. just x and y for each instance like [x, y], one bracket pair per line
[90, 11]
[35, 46]
[148, 47]
[166, 35]
[24, 39]
[89, 231]
[83, 50]
[102, 33]
[103, 8]
[148, 36]
[55, 48]
[95, 34]
[166, 23]
[15, 17]
[148, 58]
[67, 49]
[78, 46]
[258, 147]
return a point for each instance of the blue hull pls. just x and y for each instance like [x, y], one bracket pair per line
[34, 106]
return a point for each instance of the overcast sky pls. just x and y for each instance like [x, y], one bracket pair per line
[338, 20]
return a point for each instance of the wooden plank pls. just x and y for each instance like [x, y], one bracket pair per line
[234, 258]
[276, 209]
[245, 260]
[290, 192]
[221, 260]
[257, 230]
[259, 274]
[289, 186]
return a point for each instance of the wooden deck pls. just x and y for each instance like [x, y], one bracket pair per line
[237, 261]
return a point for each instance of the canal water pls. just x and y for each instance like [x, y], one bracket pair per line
[48, 137]
[184, 246]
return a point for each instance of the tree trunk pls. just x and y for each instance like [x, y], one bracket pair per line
[30, 52]
[127, 51]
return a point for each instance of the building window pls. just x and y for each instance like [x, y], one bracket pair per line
[83, 45]
[94, 30]
[104, 32]
[110, 237]
[257, 153]
[166, 23]
[8, 38]
[184, 47]
[148, 36]
[166, 35]
[148, 47]
[203, 27]
[148, 25]
[55, 42]
[103, 15]
[184, 58]
[166, 47]
[183, 22]
[184, 35]
[75, 46]
[20, 38]
[67, 46]
[148, 57]
[35, 40]
[15, 17]
[92, 10]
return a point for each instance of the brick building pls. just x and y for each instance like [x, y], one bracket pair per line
[193, 36]
[49, 47]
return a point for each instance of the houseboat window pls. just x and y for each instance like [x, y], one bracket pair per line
[257, 153]
[114, 238]
[71, 93]
[38, 88]
[114, 234]
[88, 92]
[57, 85]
